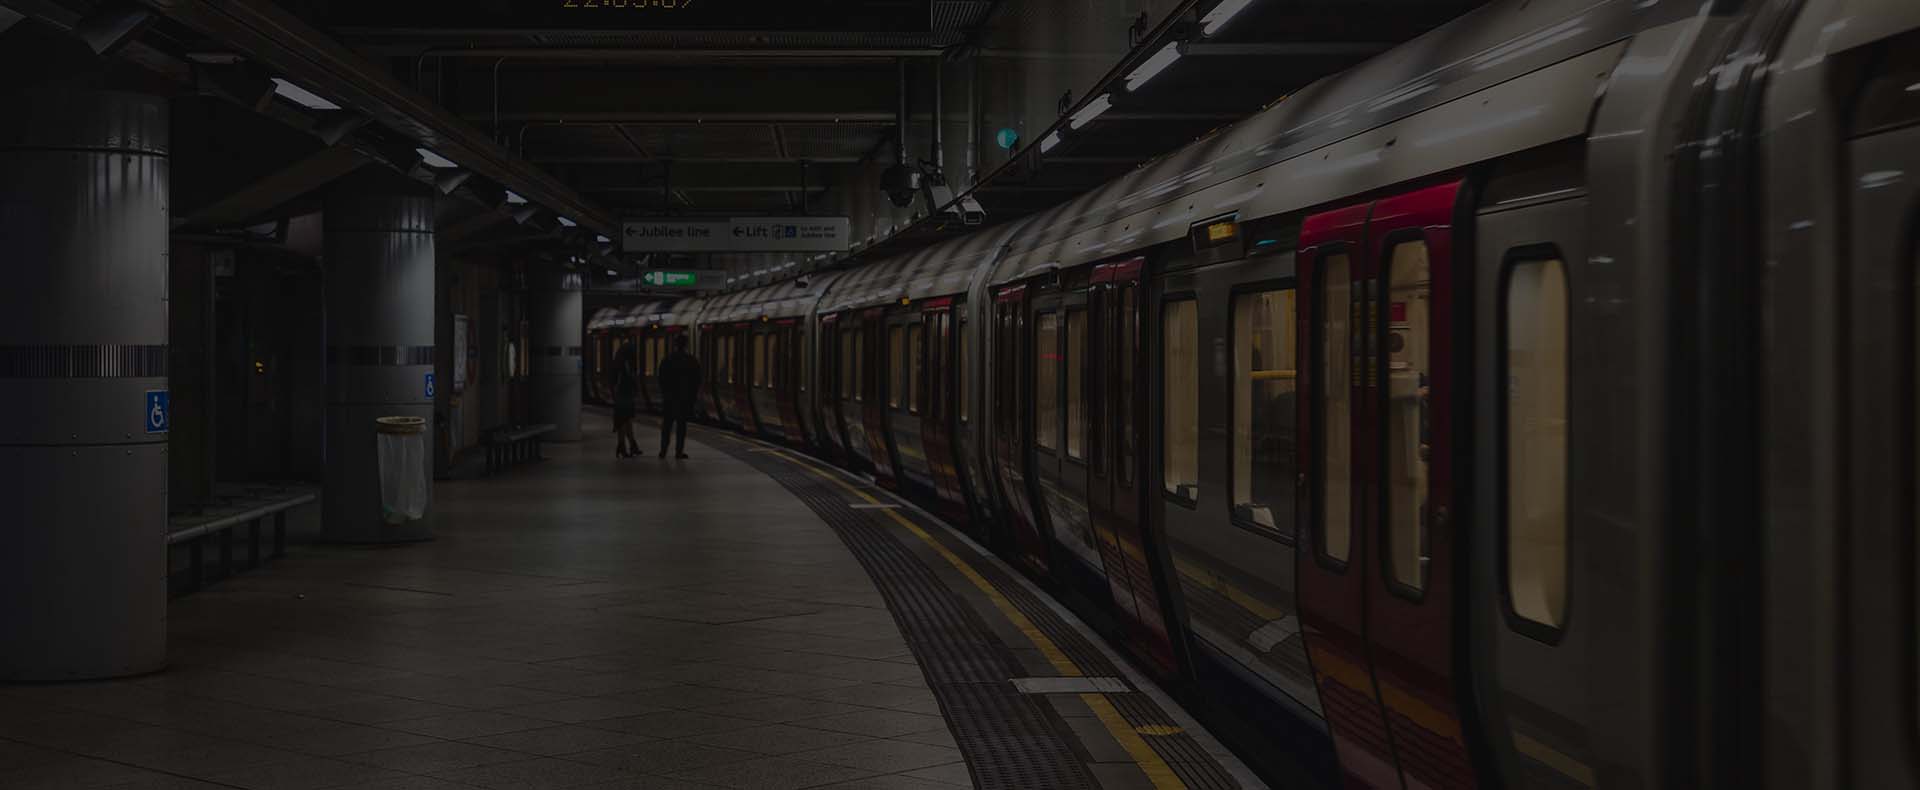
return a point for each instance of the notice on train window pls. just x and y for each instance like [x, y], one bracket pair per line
[851, 16]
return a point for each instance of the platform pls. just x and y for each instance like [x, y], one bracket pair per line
[743, 619]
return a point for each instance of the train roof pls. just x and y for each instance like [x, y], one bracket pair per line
[1499, 80]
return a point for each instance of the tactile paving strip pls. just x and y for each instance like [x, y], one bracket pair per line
[1008, 738]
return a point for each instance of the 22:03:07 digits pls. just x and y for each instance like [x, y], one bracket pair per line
[664, 5]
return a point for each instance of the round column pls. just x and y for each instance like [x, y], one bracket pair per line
[380, 352]
[554, 317]
[83, 384]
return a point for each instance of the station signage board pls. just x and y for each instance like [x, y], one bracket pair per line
[818, 16]
[744, 234]
[697, 279]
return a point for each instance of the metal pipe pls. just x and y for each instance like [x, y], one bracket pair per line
[496, 99]
[603, 54]
[973, 120]
[939, 117]
[900, 121]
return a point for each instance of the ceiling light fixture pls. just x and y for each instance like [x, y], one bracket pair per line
[1094, 109]
[566, 223]
[1152, 66]
[1049, 142]
[431, 159]
[514, 199]
[1218, 17]
[603, 240]
[301, 96]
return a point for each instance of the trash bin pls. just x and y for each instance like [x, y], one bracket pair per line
[405, 479]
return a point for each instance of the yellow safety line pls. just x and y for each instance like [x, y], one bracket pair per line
[1157, 770]
[1150, 762]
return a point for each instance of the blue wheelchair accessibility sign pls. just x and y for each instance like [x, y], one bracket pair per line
[157, 418]
[429, 385]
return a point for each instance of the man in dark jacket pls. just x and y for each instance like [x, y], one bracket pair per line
[679, 385]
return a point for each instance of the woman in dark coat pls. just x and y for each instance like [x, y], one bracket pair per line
[626, 397]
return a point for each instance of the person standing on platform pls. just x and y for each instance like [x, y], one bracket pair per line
[679, 384]
[626, 397]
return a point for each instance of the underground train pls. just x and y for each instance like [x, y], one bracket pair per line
[1532, 406]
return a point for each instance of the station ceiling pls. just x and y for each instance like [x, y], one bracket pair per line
[607, 123]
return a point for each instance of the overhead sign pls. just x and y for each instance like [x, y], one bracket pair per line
[746, 234]
[685, 278]
[849, 16]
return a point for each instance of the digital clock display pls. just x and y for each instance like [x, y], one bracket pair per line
[853, 16]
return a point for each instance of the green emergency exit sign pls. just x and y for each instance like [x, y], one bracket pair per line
[672, 279]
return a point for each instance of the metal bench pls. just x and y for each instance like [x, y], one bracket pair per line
[510, 445]
[251, 507]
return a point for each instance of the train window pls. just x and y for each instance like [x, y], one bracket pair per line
[658, 353]
[915, 367]
[726, 356]
[895, 337]
[1263, 410]
[1046, 381]
[1180, 461]
[1409, 447]
[1336, 409]
[1075, 361]
[1536, 446]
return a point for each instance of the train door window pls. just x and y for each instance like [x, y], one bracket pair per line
[726, 356]
[1536, 349]
[776, 366]
[1075, 360]
[1046, 380]
[960, 375]
[806, 360]
[848, 359]
[1407, 419]
[1123, 395]
[756, 364]
[896, 337]
[859, 366]
[658, 351]
[1263, 410]
[915, 367]
[1336, 398]
[1180, 355]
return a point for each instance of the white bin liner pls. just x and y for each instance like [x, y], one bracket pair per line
[405, 486]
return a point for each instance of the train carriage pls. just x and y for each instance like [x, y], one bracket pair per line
[1457, 421]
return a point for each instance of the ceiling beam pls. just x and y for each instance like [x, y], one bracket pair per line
[1286, 49]
[274, 38]
[276, 189]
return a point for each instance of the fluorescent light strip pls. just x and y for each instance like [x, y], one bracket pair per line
[567, 223]
[1218, 17]
[1094, 109]
[1050, 141]
[514, 199]
[301, 96]
[1153, 66]
[431, 159]
[603, 240]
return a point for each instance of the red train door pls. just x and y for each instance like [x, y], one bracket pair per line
[878, 367]
[784, 346]
[1377, 588]
[1411, 599]
[1113, 484]
[1332, 571]
[1011, 434]
[937, 418]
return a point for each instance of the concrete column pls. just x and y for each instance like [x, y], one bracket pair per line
[555, 323]
[380, 344]
[83, 366]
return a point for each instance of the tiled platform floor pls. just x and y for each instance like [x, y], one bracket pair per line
[559, 634]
